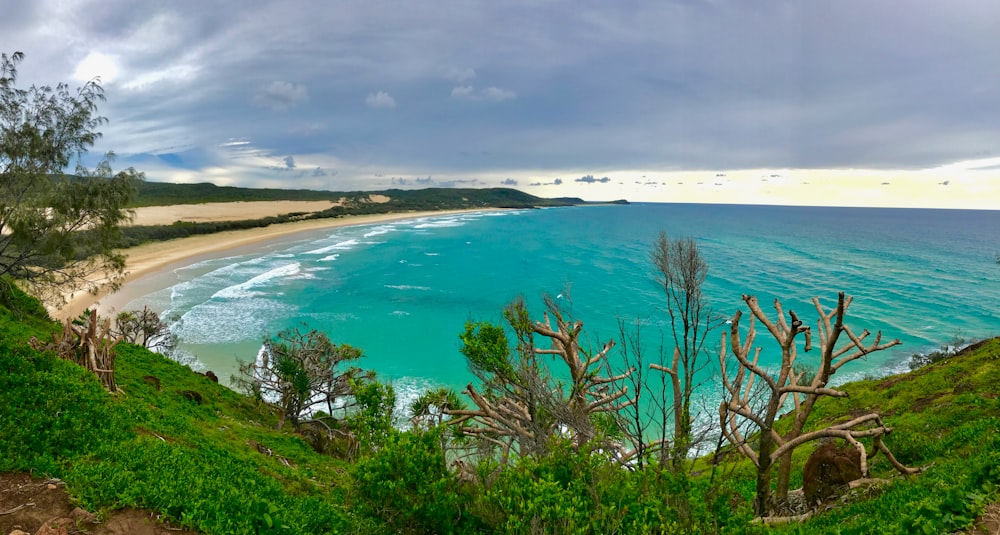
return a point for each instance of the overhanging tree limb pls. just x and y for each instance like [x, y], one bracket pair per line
[57, 230]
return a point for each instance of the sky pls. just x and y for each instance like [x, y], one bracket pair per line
[887, 103]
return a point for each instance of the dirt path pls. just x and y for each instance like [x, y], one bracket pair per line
[37, 506]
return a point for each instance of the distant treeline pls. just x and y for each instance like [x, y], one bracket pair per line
[164, 194]
[137, 235]
[353, 203]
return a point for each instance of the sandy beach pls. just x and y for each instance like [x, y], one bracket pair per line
[149, 258]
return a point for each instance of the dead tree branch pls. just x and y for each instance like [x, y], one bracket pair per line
[784, 391]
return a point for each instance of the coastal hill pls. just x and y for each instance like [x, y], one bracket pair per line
[174, 445]
[341, 204]
[163, 193]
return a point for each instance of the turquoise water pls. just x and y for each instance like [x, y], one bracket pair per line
[403, 291]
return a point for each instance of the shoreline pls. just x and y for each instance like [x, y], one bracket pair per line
[150, 258]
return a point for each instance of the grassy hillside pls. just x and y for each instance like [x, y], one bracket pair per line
[221, 467]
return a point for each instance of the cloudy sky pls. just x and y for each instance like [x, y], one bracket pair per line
[849, 102]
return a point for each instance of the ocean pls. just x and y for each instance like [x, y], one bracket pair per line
[403, 291]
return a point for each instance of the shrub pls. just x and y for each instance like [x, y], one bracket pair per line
[406, 486]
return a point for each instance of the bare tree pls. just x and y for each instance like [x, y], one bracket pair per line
[681, 271]
[647, 425]
[636, 419]
[300, 371]
[521, 407]
[773, 447]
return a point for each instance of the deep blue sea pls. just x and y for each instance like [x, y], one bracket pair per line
[403, 291]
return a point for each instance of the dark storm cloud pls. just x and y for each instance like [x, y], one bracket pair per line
[428, 88]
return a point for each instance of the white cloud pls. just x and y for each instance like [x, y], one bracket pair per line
[174, 73]
[281, 96]
[380, 99]
[234, 142]
[97, 65]
[672, 86]
[495, 94]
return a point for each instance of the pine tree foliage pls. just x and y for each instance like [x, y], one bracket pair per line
[57, 229]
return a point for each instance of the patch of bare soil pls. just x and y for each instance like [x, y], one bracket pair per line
[923, 403]
[989, 522]
[35, 506]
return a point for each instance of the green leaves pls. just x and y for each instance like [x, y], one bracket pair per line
[299, 371]
[406, 485]
[485, 346]
[56, 229]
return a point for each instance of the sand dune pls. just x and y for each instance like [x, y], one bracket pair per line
[224, 211]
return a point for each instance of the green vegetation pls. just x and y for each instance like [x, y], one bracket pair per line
[351, 203]
[42, 210]
[540, 449]
[164, 194]
[220, 466]
[299, 371]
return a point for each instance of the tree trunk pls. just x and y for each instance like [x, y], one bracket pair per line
[784, 471]
[762, 504]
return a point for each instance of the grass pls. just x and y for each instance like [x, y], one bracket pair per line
[945, 417]
[218, 466]
[221, 467]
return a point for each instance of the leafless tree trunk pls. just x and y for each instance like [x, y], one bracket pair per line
[681, 271]
[634, 421]
[773, 447]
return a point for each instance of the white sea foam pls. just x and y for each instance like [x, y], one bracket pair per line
[438, 223]
[408, 389]
[244, 289]
[188, 359]
[380, 230]
[357, 303]
[345, 245]
[407, 287]
[504, 213]
[230, 321]
[332, 317]
[400, 313]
